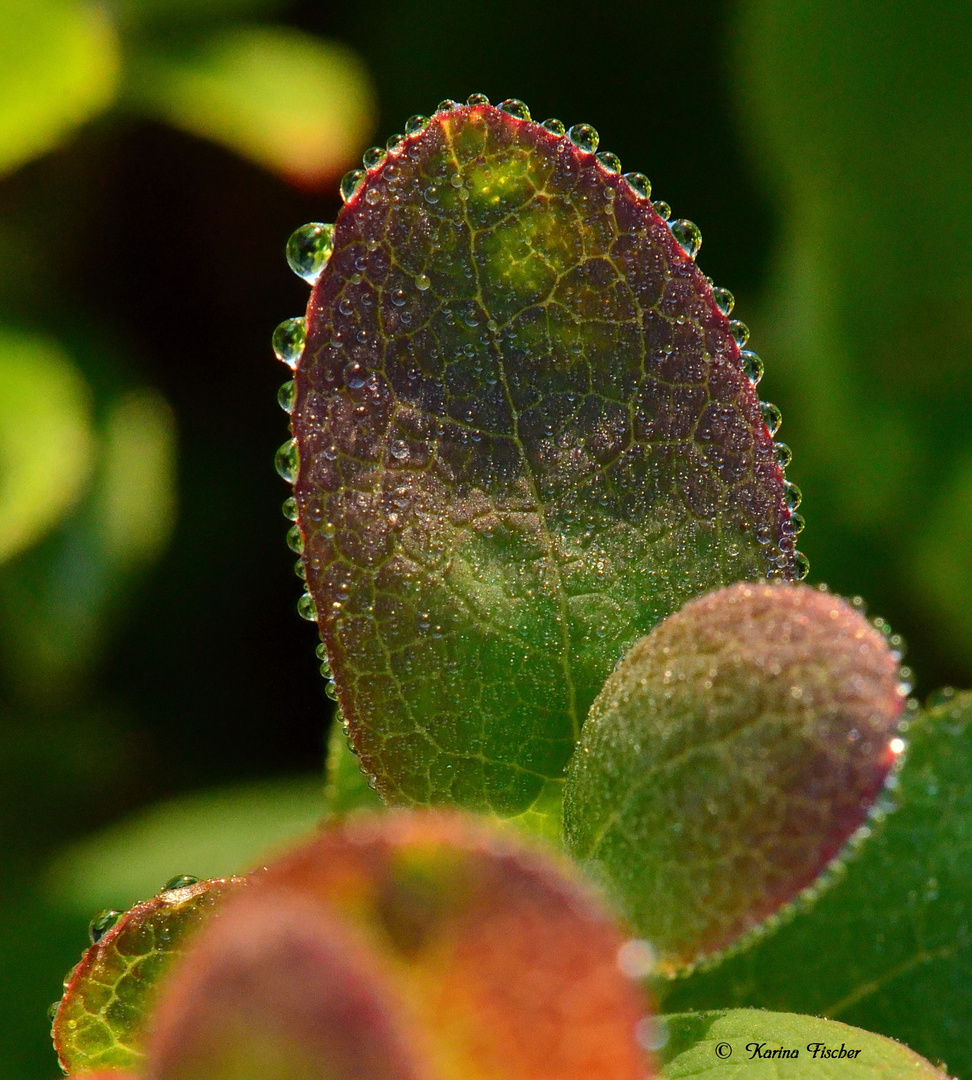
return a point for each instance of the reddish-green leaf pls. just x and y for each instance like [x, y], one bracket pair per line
[405, 945]
[729, 758]
[100, 1022]
[524, 435]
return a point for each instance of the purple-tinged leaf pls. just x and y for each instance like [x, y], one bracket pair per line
[729, 758]
[524, 435]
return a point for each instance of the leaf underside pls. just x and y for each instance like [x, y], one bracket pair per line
[525, 436]
[101, 1019]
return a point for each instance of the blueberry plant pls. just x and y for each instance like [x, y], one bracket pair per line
[549, 546]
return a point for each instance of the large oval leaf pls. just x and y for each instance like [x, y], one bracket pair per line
[729, 758]
[524, 435]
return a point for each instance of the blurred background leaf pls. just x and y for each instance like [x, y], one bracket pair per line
[45, 437]
[58, 67]
[296, 104]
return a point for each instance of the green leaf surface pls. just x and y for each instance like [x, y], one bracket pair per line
[888, 946]
[346, 787]
[739, 1044]
[298, 105]
[210, 835]
[46, 439]
[524, 435]
[728, 759]
[58, 68]
[108, 997]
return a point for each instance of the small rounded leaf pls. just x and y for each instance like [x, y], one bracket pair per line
[101, 1020]
[729, 758]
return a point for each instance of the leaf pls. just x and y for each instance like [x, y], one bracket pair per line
[138, 14]
[58, 68]
[101, 1019]
[698, 1041]
[888, 946]
[295, 104]
[728, 759]
[208, 834]
[45, 438]
[346, 788]
[469, 955]
[524, 436]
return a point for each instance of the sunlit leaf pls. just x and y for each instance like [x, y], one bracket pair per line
[524, 436]
[45, 437]
[58, 68]
[739, 1044]
[729, 758]
[888, 946]
[346, 787]
[109, 995]
[425, 944]
[208, 834]
[298, 105]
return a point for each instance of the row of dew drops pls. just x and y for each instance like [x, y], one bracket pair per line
[99, 927]
[310, 247]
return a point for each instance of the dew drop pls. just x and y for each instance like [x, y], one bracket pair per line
[309, 248]
[321, 651]
[584, 137]
[52, 1010]
[662, 209]
[554, 126]
[784, 455]
[394, 143]
[797, 524]
[772, 417]
[373, 156]
[294, 540]
[639, 184]
[350, 183]
[288, 340]
[477, 99]
[287, 396]
[372, 196]
[289, 508]
[306, 608]
[752, 366]
[180, 882]
[101, 924]
[331, 690]
[739, 331]
[415, 124]
[515, 107]
[801, 566]
[422, 282]
[688, 235]
[792, 495]
[609, 161]
[724, 300]
[287, 461]
[447, 105]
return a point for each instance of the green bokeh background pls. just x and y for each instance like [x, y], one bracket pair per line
[149, 642]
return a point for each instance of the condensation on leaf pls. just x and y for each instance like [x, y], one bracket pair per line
[427, 944]
[525, 436]
[101, 1020]
[729, 758]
